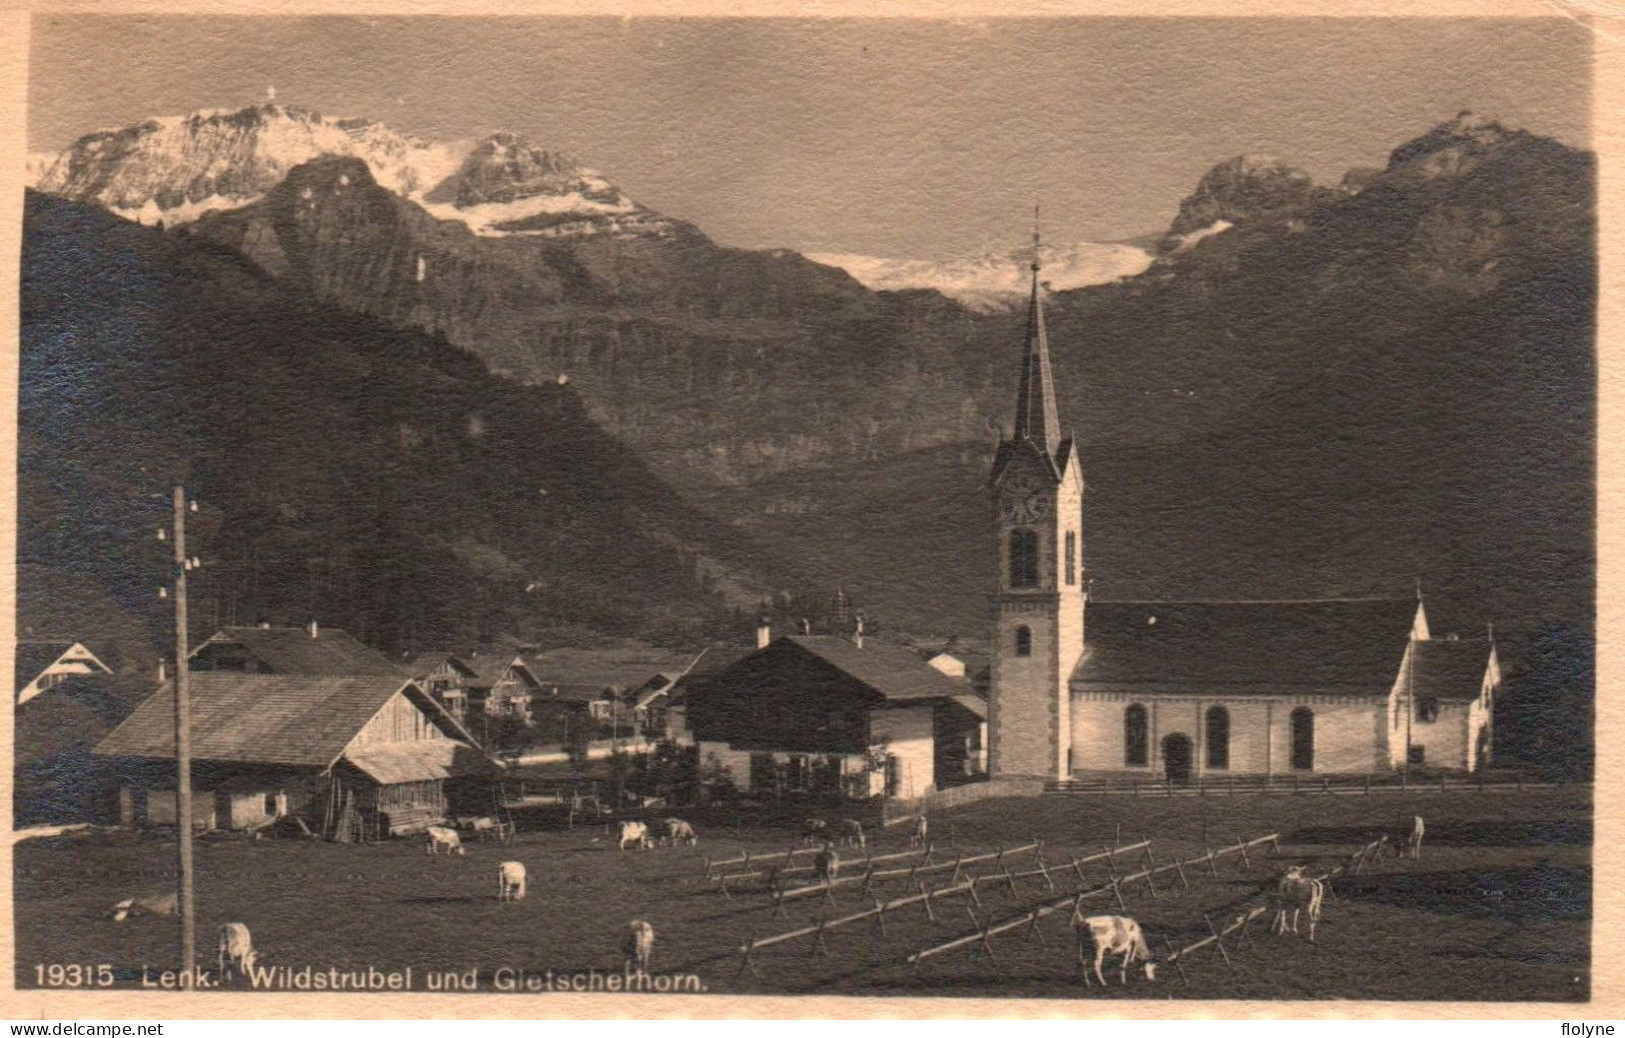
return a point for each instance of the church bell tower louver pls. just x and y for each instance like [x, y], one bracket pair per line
[1038, 604]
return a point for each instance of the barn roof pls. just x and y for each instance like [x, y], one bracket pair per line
[291, 719]
[487, 665]
[605, 669]
[292, 650]
[80, 710]
[1444, 669]
[1236, 647]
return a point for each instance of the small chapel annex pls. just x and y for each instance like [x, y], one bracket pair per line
[1187, 690]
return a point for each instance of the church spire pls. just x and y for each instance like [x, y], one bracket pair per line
[1036, 416]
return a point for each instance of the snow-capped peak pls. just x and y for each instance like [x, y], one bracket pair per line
[176, 168]
[994, 281]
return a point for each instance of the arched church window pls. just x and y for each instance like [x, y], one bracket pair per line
[1024, 641]
[1023, 558]
[1303, 739]
[1135, 736]
[1218, 737]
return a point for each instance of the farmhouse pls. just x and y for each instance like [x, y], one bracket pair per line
[356, 758]
[1182, 690]
[290, 650]
[56, 780]
[42, 662]
[817, 713]
[445, 677]
[501, 683]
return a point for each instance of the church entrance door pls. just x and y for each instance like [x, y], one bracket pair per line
[1176, 759]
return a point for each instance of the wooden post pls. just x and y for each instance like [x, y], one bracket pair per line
[1173, 957]
[183, 751]
[1044, 872]
[1218, 942]
[926, 899]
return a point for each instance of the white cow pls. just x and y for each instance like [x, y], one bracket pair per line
[236, 949]
[636, 833]
[677, 829]
[511, 881]
[814, 830]
[153, 904]
[439, 836]
[826, 864]
[916, 835]
[1296, 894]
[1103, 935]
[852, 833]
[638, 945]
[1413, 845]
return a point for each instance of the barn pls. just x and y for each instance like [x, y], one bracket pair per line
[352, 758]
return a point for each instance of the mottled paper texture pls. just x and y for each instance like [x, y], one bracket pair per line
[865, 508]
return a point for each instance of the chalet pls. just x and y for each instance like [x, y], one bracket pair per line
[616, 687]
[710, 662]
[813, 712]
[444, 676]
[501, 683]
[56, 779]
[42, 663]
[354, 758]
[290, 650]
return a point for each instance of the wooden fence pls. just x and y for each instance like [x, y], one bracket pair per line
[1286, 785]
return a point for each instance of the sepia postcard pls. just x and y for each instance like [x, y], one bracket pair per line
[992, 512]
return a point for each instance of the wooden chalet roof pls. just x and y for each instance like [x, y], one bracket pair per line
[893, 671]
[35, 654]
[424, 663]
[290, 719]
[1443, 669]
[578, 672]
[1353, 645]
[291, 650]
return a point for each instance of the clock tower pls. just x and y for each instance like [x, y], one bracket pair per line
[1038, 603]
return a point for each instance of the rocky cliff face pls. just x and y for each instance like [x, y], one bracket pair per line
[1244, 189]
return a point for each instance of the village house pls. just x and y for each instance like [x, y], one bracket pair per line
[819, 713]
[43, 662]
[500, 683]
[710, 662]
[1176, 690]
[613, 689]
[312, 649]
[445, 677]
[353, 758]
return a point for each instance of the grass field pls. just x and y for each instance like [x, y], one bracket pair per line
[1499, 906]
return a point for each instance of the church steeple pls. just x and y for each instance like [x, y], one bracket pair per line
[1036, 416]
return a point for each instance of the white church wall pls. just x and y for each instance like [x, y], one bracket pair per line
[1348, 735]
[910, 735]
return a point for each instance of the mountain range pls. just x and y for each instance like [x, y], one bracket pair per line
[1297, 390]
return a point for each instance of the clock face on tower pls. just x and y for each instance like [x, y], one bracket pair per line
[1024, 499]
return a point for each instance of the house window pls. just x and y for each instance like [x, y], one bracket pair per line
[1024, 641]
[1303, 739]
[1071, 557]
[1427, 710]
[1417, 755]
[1218, 737]
[1023, 558]
[1136, 736]
[270, 804]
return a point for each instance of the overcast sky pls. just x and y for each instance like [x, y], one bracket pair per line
[900, 138]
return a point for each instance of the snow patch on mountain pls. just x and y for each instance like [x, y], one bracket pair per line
[1186, 242]
[176, 168]
[994, 281]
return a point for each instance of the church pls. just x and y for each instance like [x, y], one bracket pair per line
[1186, 691]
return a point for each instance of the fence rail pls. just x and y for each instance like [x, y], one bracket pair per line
[1325, 785]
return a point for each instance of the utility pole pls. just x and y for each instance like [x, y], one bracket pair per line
[183, 749]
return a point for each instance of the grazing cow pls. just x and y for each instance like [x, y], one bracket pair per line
[826, 864]
[638, 945]
[1103, 935]
[1296, 894]
[511, 881]
[813, 831]
[677, 829]
[635, 833]
[439, 836]
[916, 835]
[1413, 844]
[236, 949]
[153, 904]
[852, 833]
